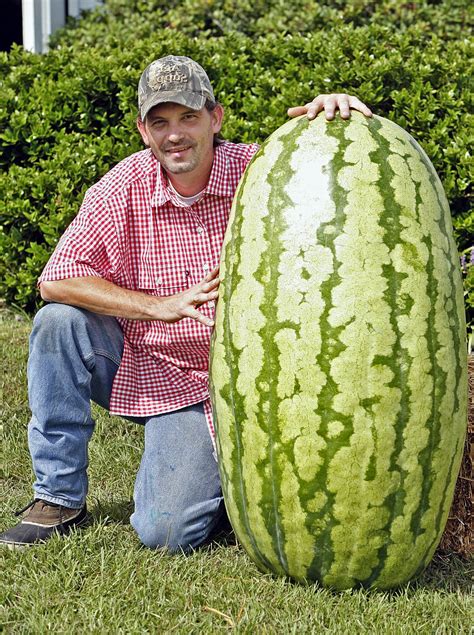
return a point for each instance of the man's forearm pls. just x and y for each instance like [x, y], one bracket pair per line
[104, 297]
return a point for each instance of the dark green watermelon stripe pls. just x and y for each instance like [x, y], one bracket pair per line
[229, 393]
[439, 389]
[445, 225]
[441, 384]
[443, 509]
[267, 381]
[331, 347]
[400, 361]
[432, 340]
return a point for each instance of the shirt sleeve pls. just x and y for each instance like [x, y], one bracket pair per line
[253, 149]
[86, 247]
[248, 150]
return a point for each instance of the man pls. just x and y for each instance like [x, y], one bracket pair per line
[132, 286]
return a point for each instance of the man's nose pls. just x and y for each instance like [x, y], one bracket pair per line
[175, 134]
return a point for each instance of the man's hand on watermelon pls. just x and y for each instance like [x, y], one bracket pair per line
[330, 103]
[187, 303]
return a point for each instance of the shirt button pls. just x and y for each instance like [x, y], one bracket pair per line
[206, 268]
[200, 230]
[158, 281]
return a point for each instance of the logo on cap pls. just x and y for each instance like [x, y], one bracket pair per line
[161, 74]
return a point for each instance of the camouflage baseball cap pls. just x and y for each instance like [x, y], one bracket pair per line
[173, 78]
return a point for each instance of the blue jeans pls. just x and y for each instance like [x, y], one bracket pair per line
[74, 355]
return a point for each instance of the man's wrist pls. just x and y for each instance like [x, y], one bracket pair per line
[159, 308]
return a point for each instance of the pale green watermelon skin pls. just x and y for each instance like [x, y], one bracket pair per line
[338, 362]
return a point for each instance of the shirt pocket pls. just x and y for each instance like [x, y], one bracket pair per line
[164, 281]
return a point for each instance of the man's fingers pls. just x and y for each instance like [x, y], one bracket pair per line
[310, 109]
[198, 300]
[202, 298]
[343, 105]
[206, 287]
[314, 107]
[356, 103]
[212, 274]
[330, 103]
[199, 317]
[296, 111]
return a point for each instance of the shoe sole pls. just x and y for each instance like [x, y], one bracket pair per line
[12, 546]
[18, 546]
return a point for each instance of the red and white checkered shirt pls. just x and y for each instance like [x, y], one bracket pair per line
[134, 232]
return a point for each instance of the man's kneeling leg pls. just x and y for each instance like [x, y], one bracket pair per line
[178, 498]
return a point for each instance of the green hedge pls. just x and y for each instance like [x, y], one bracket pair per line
[66, 117]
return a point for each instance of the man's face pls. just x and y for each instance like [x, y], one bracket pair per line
[181, 138]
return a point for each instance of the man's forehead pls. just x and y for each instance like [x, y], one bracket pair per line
[169, 108]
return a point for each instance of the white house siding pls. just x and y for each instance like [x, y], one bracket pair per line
[42, 17]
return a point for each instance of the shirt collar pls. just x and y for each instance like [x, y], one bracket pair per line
[220, 182]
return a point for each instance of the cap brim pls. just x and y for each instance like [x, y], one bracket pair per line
[185, 98]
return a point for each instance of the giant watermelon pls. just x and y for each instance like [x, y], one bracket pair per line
[338, 363]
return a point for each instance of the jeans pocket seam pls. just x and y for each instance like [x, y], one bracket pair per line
[104, 353]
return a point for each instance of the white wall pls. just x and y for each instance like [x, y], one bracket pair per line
[43, 17]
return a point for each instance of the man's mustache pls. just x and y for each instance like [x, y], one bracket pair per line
[182, 143]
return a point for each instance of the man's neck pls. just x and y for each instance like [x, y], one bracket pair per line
[185, 188]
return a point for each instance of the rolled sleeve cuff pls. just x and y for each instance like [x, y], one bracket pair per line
[67, 271]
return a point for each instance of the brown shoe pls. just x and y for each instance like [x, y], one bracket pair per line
[41, 521]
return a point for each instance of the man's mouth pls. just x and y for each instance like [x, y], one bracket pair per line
[178, 151]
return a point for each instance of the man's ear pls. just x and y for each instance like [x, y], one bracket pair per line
[142, 131]
[217, 116]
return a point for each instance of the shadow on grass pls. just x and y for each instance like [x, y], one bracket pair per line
[223, 534]
[111, 512]
[118, 512]
[445, 574]
[448, 573]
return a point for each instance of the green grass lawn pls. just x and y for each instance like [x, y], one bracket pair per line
[100, 580]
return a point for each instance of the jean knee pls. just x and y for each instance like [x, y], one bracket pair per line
[57, 317]
[163, 533]
[182, 531]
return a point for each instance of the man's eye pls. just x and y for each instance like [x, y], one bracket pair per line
[157, 123]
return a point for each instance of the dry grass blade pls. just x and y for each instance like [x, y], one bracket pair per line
[226, 617]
